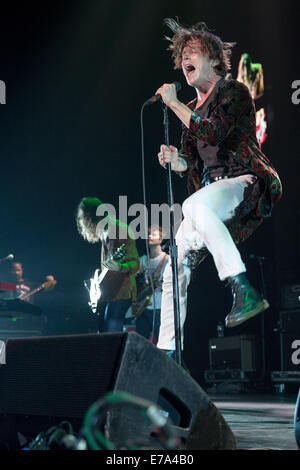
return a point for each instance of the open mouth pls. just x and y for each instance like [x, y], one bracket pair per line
[189, 69]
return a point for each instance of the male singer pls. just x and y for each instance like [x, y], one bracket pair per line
[232, 185]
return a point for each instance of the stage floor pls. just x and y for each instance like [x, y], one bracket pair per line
[260, 421]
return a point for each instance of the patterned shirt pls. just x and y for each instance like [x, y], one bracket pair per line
[230, 123]
[216, 160]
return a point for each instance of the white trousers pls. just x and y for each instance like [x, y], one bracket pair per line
[204, 213]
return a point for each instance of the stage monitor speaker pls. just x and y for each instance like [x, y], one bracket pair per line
[45, 380]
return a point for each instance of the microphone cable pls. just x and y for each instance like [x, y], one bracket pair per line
[146, 227]
[152, 100]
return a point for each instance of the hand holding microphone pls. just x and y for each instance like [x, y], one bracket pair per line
[167, 154]
[167, 92]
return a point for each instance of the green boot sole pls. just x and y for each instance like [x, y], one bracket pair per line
[238, 318]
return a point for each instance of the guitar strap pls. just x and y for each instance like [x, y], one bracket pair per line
[159, 267]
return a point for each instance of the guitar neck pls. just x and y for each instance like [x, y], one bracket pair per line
[32, 292]
[102, 275]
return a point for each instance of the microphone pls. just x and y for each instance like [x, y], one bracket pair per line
[6, 258]
[155, 98]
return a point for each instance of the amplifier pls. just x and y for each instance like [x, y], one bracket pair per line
[234, 353]
[290, 297]
[228, 375]
[285, 376]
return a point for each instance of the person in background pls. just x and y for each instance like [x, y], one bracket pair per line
[148, 322]
[23, 285]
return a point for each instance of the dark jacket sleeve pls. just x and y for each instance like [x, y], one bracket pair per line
[188, 150]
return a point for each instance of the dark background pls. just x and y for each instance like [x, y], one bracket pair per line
[77, 74]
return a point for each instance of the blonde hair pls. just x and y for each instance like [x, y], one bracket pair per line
[87, 219]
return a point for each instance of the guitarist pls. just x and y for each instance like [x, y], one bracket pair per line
[24, 286]
[119, 288]
[149, 320]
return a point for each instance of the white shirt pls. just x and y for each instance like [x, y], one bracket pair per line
[153, 264]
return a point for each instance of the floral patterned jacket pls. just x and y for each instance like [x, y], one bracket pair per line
[231, 124]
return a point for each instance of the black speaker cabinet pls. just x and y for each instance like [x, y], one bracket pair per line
[290, 297]
[45, 380]
[234, 352]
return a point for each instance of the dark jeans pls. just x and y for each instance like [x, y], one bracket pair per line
[144, 324]
[114, 316]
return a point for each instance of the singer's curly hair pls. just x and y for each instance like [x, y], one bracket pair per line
[210, 44]
[87, 219]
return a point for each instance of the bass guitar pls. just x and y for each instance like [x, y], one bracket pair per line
[143, 298]
[144, 293]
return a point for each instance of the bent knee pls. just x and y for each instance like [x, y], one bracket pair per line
[192, 209]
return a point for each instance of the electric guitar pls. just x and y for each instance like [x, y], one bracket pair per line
[145, 292]
[143, 297]
[95, 285]
[45, 285]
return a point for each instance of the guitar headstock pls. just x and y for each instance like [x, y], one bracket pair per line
[48, 284]
[119, 253]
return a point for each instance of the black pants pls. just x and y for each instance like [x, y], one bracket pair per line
[114, 316]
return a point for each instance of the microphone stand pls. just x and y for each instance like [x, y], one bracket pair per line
[260, 260]
[173, 248]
